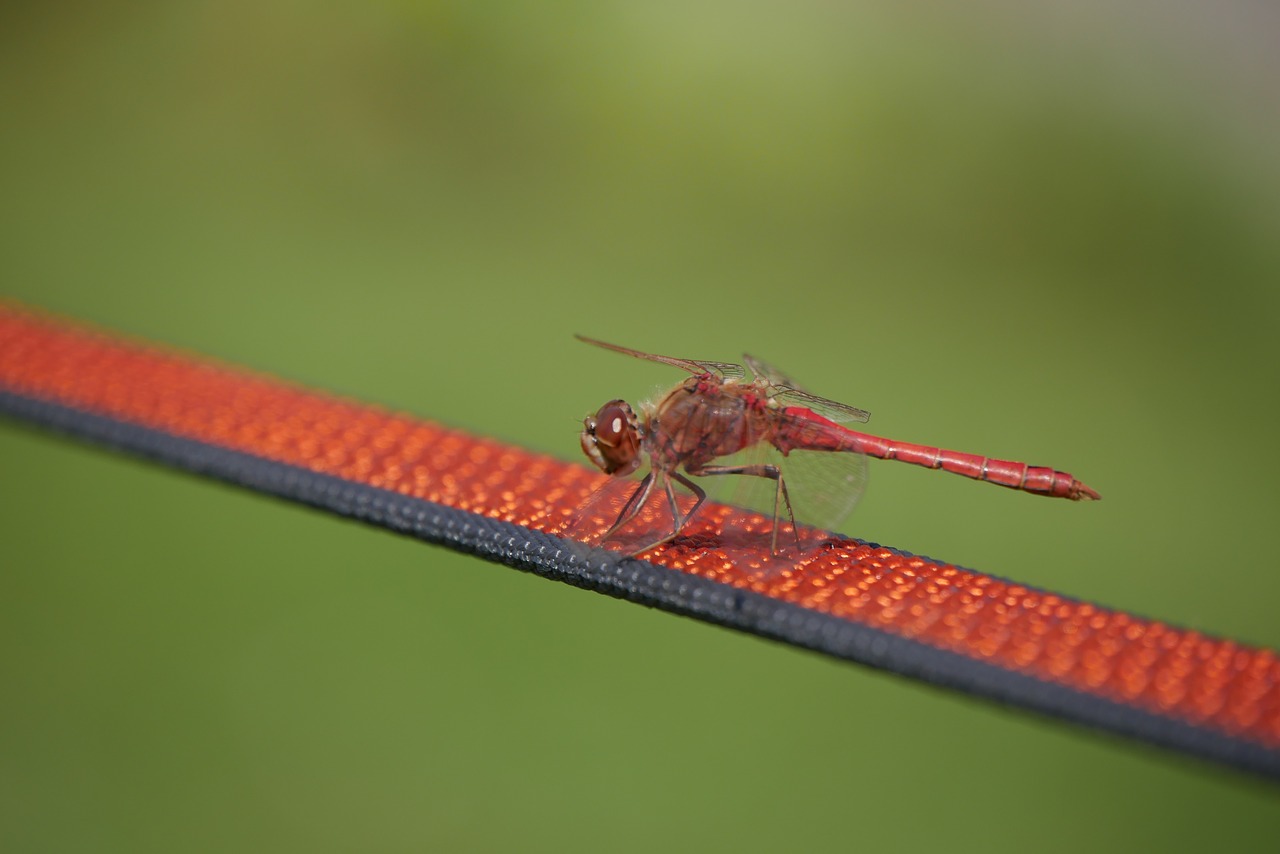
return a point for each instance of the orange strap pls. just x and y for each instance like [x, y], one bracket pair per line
[925, 618]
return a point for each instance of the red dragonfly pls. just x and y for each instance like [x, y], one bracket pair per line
[719, 411]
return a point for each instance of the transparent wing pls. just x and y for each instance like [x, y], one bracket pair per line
[788, 392]
[829, 409]
[769, 373]
[724, 370]
[828, 486]
[824, 487]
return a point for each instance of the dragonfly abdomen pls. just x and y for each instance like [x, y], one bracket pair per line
[1035, 479]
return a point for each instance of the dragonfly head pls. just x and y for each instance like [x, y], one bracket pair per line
[611, 438]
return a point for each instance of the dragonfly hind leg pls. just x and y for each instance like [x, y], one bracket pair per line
[780, 496]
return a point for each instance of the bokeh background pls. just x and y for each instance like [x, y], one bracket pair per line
[1047, 233]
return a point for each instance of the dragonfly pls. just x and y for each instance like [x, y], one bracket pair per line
[724, 409]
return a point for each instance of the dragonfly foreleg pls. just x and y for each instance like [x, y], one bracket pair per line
[780, 496]
[677, 521]
[633, 505]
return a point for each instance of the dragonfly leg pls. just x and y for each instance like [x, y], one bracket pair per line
[633, 505]
[692, 487]
[780, 496]
[678, 521]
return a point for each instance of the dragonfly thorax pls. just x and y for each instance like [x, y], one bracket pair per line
[611, 438]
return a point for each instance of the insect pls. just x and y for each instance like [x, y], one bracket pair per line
[720, 411]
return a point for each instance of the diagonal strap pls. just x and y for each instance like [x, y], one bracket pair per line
[924, 619]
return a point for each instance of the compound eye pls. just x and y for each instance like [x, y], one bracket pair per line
[612, 423]
[612, 438]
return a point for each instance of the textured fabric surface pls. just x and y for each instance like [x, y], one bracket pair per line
[923, 618]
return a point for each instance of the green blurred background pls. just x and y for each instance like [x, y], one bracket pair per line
[1044, 233]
